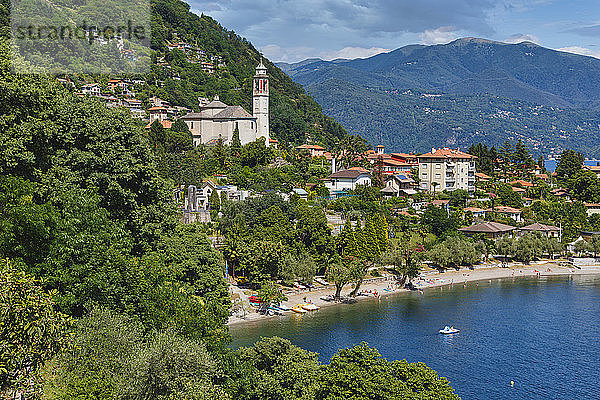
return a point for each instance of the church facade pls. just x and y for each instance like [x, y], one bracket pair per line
[216, 120]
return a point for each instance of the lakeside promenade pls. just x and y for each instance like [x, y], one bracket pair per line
[428, 280]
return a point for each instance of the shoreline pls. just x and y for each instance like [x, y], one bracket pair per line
[428, 280]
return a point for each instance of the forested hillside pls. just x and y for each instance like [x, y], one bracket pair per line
[415, 120]
[482, 91]
[293, 112]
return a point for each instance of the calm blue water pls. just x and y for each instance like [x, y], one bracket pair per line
[551, 164]
[542, 334]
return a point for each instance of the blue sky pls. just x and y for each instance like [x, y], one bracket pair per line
[292, 30]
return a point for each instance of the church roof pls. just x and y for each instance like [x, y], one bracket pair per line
[204, 114]
[233, 112]
[215, 104]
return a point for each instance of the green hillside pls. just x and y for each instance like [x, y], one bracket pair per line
[477, 79]
[294, 114]
[415, 120]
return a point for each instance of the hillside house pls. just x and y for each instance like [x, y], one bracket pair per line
[348, 179]
[399, 185]
[491, 230]
[313, 149]
[509, 212]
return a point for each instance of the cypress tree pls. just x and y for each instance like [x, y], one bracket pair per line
[236, 144]
[214, 201]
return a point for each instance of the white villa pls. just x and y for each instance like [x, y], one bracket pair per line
[348, 179]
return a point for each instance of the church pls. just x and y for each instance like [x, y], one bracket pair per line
[218, 120]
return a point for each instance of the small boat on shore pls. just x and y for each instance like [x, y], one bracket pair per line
[283, 307]
[298, 309]
[449, 330]
[310, 307]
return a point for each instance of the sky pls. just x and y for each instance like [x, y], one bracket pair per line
[293, 30]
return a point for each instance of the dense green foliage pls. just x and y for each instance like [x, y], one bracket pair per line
[293, 112]
[410, 121]
[31, 330]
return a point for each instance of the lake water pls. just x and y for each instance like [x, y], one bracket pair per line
[551, 164]
[542, 334]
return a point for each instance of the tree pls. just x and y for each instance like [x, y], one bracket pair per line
[280, 370]
[344, 271]
[236, 144]
[522, 157]
[215, 201]
[569, 165]
[582, 247]
[528, 247]
[157, 135]
[169, 367]
[269, 294]
[454, 252]
[31, 330]
[542, 163]
[301, 266]
[178, 138]
[505, 246]
[263, 259]
[405, 254]
[103, 342]
[438, 221]
[361, 373]
[506, 153]
[585, 186]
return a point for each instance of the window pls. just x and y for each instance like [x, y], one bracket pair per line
[423, 166]
[236, 125]
[424, 175]
[438, 176]
[192, 125]
[438, 166]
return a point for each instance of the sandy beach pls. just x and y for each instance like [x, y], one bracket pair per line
[428, 279]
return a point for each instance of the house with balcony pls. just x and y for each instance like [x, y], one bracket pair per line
[399, 185]
[447, 169]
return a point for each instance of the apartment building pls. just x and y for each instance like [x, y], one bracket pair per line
[447, 169]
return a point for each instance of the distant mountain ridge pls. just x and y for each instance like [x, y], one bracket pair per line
[524, 71]
[463, 73]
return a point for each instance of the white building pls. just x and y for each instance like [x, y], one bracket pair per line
[218, 120]
[348, 179]
[447, 169]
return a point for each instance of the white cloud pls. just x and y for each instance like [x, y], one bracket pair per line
[581, 51]
[354, 52]
[277, 53]
[441, 35]
[519, 37]
[293, 54]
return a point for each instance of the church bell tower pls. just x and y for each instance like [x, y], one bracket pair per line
[260, 100]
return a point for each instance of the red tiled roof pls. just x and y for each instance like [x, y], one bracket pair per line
[310, 146]
[474, 209]
[165, 124]
[447, 153]
[522, 183]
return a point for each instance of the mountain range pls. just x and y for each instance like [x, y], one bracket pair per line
[469, 89]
